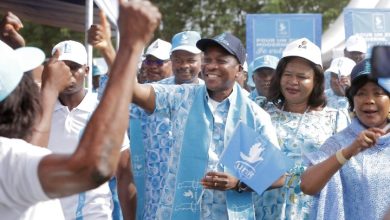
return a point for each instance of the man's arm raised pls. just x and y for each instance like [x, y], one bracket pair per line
[97, 155]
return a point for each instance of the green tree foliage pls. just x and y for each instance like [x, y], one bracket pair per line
[46, 37]
[214, 17]
[209, 17]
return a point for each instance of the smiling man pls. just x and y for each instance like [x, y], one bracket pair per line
[203, 118]
[157, 62]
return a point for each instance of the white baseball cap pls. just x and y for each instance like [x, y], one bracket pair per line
[342, 66]
[160, 49]
[304, 48]
[356, 43]
[72, 51]
[14, 63]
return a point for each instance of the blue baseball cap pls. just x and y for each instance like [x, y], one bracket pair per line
[186, 40]
[227, 41]
[265, 61]
[14, 63]
[384, 83]
[363, 68]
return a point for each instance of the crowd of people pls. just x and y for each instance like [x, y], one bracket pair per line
[147, 143]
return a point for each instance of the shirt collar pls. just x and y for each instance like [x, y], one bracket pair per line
[88, 103]
[231, 97]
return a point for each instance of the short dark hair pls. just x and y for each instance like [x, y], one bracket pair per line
[317, 97]
[20, 110]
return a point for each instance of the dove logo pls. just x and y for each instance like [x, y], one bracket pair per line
[246, 167]
[221, 38]
[378, 21]
[184, 39]
[282, 28]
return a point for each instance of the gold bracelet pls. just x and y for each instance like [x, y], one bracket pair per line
[340, 157]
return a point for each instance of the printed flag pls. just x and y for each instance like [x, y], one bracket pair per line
[253, 159]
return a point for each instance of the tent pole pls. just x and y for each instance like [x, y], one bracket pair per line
[88, 23]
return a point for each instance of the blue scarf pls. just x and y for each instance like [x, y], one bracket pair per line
[194, 158]
[138, 162]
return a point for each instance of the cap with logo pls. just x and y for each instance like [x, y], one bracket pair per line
[227, 41]
[71, 51]
[160, 49]
[356, 43]
[266, 61]
[14, 63]
[342, 66]
[186, 40]
[304, 48]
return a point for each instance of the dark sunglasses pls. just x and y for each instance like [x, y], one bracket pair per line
[155, 62]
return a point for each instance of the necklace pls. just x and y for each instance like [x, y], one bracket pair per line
[291, 137]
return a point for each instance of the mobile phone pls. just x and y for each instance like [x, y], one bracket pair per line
[380, 62]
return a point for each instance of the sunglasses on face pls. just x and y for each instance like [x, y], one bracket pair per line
[155, 62]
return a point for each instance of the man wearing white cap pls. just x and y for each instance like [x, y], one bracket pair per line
[263, 68]
[340, 70]
[31, 174]
[71, 114]
[355, 48]
[157, 61]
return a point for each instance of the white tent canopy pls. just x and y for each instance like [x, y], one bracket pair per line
[72, 14]
[333, 38]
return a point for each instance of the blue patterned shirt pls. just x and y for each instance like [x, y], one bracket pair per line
[174, 103]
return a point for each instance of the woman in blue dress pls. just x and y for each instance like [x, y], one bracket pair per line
[350, 175]
[302, 123]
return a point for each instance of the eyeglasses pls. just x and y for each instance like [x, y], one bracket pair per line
[155, 62]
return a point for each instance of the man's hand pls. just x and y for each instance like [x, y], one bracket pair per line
[9, 27]
[219, 181]
[99, 35]
[137, 22]
[56, 74]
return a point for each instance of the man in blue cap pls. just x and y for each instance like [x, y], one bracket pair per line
[185, 58]
[203, 118]
[263, 68]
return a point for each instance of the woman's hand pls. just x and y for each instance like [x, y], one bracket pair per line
[364, 140]
[219, 181]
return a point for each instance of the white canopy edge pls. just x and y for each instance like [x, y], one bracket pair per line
[333, 38]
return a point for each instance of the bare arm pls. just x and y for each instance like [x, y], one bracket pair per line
[96, 157]
[99, 36]
[144, 96]
[316, 177]
[127, 192]
[55, 77]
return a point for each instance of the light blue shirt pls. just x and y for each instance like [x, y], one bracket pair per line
[361, 188]
[174, 103]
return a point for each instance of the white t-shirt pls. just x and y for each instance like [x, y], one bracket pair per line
[21, 193]
[66, 130]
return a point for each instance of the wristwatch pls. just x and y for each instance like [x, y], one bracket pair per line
[241, 187]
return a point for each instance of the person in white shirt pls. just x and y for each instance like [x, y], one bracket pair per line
[30, 174]
[71, 114]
